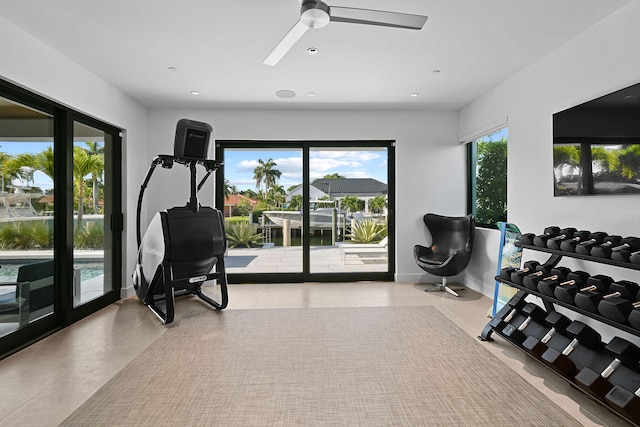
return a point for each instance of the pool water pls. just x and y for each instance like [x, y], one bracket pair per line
[89, 270]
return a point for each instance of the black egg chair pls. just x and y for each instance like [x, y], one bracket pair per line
[450, 250]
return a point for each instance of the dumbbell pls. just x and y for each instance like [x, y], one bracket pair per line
[557, 241]
[541, 239]
[581, 334]
[628, 246]
[531, 281]
[618, 305]
[635, 258]
[624, 401]
[634, 316]
[508, 312]
[603, 250]
[598, 384]
[534, 314]
[570, 245]
[558, 323]
[584, 248]
[529, 267]
[564, 234]
[567, 290]
[547, 285]
[590, 296]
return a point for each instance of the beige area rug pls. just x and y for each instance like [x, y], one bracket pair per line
[385, 366]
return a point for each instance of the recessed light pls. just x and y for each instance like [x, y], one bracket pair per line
[312, 50]
[195, 92]
[414, 94]
[285, 93]
[311, 94]
[174, 69]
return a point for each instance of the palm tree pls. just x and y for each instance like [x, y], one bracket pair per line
[264, 172]
[43, 161]
[83, 164]
[96, 149]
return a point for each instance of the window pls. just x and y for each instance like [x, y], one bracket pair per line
[488, 178]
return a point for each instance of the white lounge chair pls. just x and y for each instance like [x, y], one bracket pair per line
[367, 250]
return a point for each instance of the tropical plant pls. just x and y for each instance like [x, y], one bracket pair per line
[491, 184]
[26, 235]
[83, 164]
[378, 203]
[295, 203]
[242, 234]
[96, 149]
[368, 230]
[265, 173]
[89, 236]
[352, 203]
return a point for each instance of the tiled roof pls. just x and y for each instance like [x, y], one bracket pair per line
[342, 187]
[236, 199]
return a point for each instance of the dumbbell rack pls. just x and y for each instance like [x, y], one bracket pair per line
[582, 357]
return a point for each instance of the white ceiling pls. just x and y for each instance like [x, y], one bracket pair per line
[217, 47]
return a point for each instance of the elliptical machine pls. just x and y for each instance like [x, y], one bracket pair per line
[183, 247]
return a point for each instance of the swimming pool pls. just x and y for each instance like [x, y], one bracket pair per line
[89, 270]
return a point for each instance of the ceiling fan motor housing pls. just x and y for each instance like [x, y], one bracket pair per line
[314, 13]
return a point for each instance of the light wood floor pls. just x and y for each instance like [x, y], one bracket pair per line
[47, 381]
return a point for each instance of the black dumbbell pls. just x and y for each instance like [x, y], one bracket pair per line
[564, 234]
[567, 290]
[570, 244]
[558, 323]
[508, 312]
[635, 258]
[541, 239]
[530, 281]
[558, 275]
[625, 402]
[527, 238]
[590, 296]
[529, 268]
[603, 250]
[534, 314]
[598, 384]
[628, 246]
[634, 316]
[581, 334]
[618, 305]
[584, 248]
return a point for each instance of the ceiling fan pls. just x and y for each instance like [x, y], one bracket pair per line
[317, 14]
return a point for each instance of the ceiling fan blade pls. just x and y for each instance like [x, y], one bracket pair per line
[286, 43]
[377, 17]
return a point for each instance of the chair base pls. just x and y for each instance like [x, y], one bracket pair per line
[437, 287]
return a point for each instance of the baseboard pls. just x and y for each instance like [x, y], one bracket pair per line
[127, 292]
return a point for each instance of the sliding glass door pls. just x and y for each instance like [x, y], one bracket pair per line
[27, 286]
[303, 211]
[60, 216]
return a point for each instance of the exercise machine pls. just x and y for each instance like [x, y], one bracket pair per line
[183, 247]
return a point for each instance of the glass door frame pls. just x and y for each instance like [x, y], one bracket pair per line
[63, 312]
[306, 275]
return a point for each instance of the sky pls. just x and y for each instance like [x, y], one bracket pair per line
[240, 164]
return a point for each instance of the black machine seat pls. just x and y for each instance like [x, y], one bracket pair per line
[450, 250]
[180, 251]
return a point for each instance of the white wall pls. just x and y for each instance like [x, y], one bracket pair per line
[430, 164]
[599, 61]
[33, 65]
